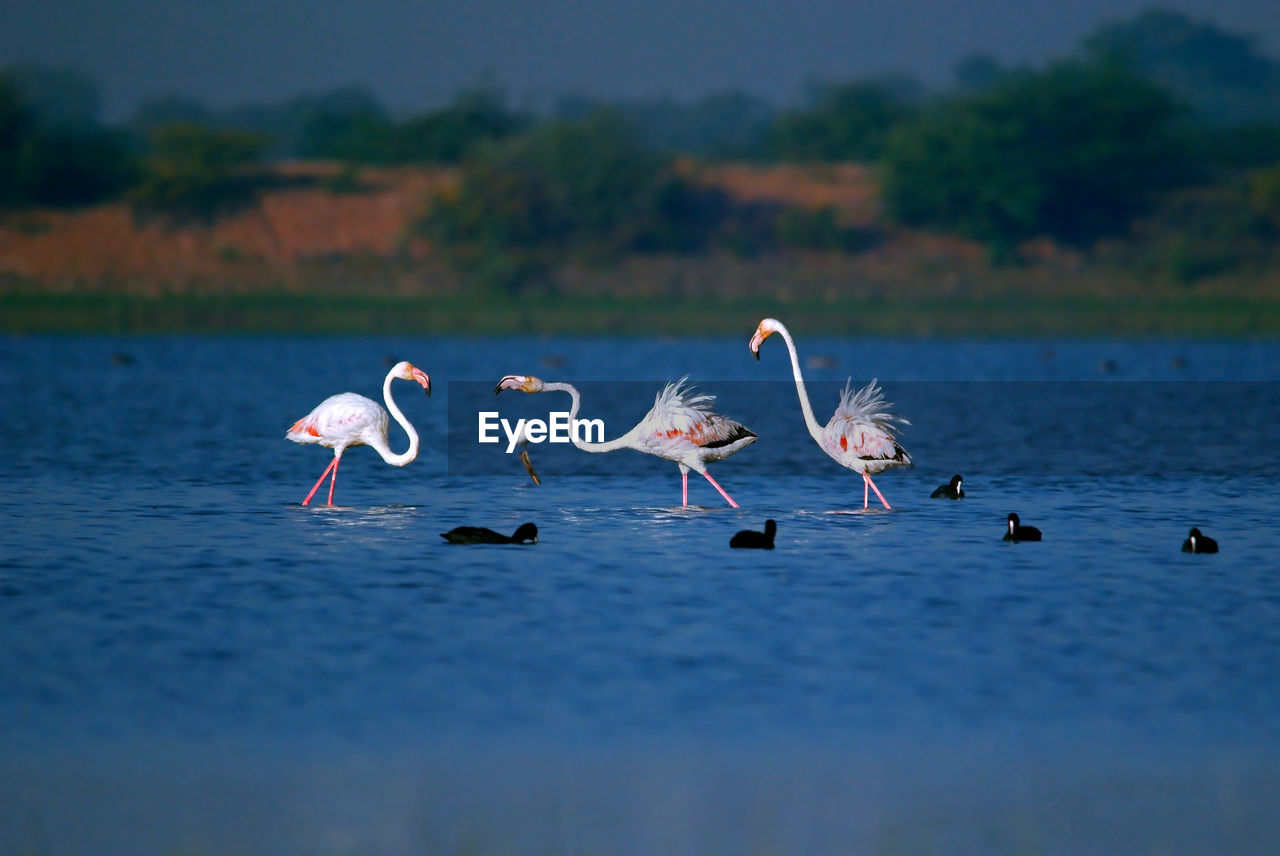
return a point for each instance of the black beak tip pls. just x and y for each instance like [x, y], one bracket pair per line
[756, 354]
[497, 389]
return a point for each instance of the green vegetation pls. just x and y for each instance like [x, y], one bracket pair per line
[1220, 75]
[567, 190]
[194, 171]
[724, 125]
[285, 124]
[1151, 156]
[56, 163]
[1073, 152]
[849, 121]
[363, 134]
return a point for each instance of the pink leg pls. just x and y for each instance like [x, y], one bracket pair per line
[334, 479]
[332, 464]
[722, 493]
[873, 487]
[684, 480]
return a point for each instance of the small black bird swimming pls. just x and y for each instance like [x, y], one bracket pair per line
[949, 491]
[527, 533]
[756, 540]
[1198, 543]
[1017, 532]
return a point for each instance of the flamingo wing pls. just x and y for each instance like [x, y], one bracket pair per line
[862, 429]
[716, 431]
[862, 441]
[343, 417]
[680, 419]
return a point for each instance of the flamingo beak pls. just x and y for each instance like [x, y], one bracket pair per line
[421, 377]
[510, 382]
[522, 383]
[756, 341]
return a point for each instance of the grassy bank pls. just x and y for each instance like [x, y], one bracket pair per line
[1195, 316]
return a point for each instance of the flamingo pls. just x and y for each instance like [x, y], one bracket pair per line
[348, 419]
[680, 427]
[860, 434]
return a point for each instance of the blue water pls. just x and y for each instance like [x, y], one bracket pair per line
[192, 662]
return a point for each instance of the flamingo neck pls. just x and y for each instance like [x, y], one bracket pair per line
[383, 448]
[815, 430]
[621, 442]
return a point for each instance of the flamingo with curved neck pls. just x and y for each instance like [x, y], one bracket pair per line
[348, 419]
[680, 427]
[860, 433]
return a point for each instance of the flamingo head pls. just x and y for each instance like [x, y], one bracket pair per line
[524, 383]
[764, 330]
[408, 371]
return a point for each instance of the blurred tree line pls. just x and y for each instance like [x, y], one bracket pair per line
[61, 155]
[1077, 150]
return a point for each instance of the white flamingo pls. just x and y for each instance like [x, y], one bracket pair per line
[348, 419]
[860, 433]
[680, 427]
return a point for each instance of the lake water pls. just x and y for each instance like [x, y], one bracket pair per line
[193, 663]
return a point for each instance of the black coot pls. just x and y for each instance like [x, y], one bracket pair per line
[1018, 532]
[949, 491]
[527, 533]
[1199, 543]
[756, 540]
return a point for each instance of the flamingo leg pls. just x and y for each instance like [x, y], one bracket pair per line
[528, 465]
[716, 485]
[684, 481]
[332, 465]
[868, 481]
[334, 479]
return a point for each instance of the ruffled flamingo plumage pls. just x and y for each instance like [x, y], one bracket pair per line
[860, 434]
[680, 427]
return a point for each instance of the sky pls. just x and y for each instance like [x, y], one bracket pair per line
[415, 55]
